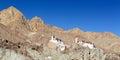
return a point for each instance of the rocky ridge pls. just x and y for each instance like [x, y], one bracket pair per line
[29, 38]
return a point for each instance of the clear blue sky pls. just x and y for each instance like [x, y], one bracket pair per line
[88, 15]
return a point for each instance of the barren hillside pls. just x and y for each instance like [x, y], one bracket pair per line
[31, 40]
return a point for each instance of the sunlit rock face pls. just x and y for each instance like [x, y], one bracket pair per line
[35, 23]
[10, 15]
[13, 18]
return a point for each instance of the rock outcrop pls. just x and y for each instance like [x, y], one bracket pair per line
[10, 15]
[13, 18]
[35, 24]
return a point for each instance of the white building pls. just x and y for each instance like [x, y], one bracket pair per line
[58, 43]
[53, 39]
[84, 44]
[76, 40]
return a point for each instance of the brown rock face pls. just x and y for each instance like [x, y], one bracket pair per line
[13, 18]
[37, 20]
[35, 24]
[11, 35]
[10, 15]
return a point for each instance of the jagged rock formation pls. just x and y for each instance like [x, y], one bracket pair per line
[29, 40]
[10, 15]
[13, 18]
[35, 23]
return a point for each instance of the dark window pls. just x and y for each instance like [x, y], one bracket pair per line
[18, 46]
[53, 36]
[33, 48]
[6, 41]
[60, 40]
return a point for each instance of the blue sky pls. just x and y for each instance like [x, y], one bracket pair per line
[88, 15]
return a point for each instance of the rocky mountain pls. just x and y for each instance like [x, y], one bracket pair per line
[35, 23]
[13, 18]
[30, 40]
